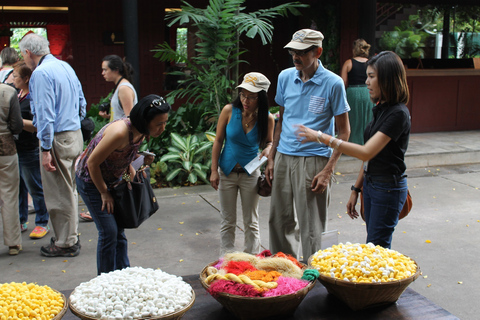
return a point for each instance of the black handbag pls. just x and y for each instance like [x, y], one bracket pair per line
[87, 126]
[134, 200]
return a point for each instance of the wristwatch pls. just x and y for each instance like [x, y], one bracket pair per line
[353, 188]
[45, 150]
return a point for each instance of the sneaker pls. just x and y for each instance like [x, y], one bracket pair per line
[39, 232]
[14, 250]
[54, 251]
[23, 227]
[86, 217]
[53, 240]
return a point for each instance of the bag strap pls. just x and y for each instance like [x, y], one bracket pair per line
[8, 75]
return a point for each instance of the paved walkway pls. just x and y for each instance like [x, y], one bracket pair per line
[182, 237]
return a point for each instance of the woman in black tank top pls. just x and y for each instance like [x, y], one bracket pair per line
[354, 75]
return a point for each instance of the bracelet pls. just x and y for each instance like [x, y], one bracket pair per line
[357, 190]
[319, 136]
[338, 143]
[330, 142]
[269, 144]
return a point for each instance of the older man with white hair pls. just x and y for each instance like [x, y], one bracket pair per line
[57, 104]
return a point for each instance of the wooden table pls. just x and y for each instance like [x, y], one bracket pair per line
[318, 304]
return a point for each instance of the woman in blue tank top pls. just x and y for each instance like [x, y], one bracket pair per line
[246, 127]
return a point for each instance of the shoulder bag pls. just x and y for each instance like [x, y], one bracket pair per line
[135, 200]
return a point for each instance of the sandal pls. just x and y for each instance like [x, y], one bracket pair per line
[85, 216]
[14, 250]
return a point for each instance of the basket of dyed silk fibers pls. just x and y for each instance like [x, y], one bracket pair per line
[279, 293]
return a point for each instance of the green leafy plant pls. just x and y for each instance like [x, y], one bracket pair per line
[211, 74]
[406, 40]
[92, 113]
[158, 173]
[189, 157]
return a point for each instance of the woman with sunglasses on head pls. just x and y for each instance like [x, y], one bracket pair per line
[246, 126]
[386, 140]
[108, 156]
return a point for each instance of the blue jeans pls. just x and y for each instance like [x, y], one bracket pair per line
[31, 181]
[384, 197]
[112, 243]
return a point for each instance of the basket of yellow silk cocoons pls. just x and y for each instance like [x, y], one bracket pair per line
[31, 301]
[364, 275]
[258, 286]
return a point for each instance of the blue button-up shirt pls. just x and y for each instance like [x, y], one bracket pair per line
[57, 100]
[314, 104]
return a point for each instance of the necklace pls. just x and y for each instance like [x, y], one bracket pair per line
[246, 124]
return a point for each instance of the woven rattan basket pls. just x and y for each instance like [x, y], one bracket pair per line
[360, 296]
[260, 307]
[64, 309]
[170, 316]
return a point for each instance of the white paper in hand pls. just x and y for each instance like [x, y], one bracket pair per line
[255, 164]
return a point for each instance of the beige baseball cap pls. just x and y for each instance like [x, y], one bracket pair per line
[304, 39]
[255, 82]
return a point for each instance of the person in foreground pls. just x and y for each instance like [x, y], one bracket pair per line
[301, 174]
[246, 126]
[58, 105]
[118, 71]
[10, 123]
[386, 140]
[29, 159]
[103, 163]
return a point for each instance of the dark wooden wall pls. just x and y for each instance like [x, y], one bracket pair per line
[444, 102]
[89, 20]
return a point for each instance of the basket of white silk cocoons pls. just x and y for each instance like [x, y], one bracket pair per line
[132, 293]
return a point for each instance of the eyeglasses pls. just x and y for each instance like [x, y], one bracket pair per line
[249, 98]
[300, 53]
[157, 103]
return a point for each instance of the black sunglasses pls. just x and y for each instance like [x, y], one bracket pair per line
[300, 53]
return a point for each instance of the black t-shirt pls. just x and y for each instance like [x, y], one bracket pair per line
[394, 121]
[27, 141]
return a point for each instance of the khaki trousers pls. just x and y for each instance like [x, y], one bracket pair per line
[228, 189]
[9, 182]
[298, 216]
[59, 187]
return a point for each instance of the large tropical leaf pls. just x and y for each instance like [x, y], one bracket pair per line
[203, 147]
[170, 157]
[192, 177]
[178, 141]
[171, 175]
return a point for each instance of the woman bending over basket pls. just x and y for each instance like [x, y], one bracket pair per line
[386, 140]
[108, 156]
